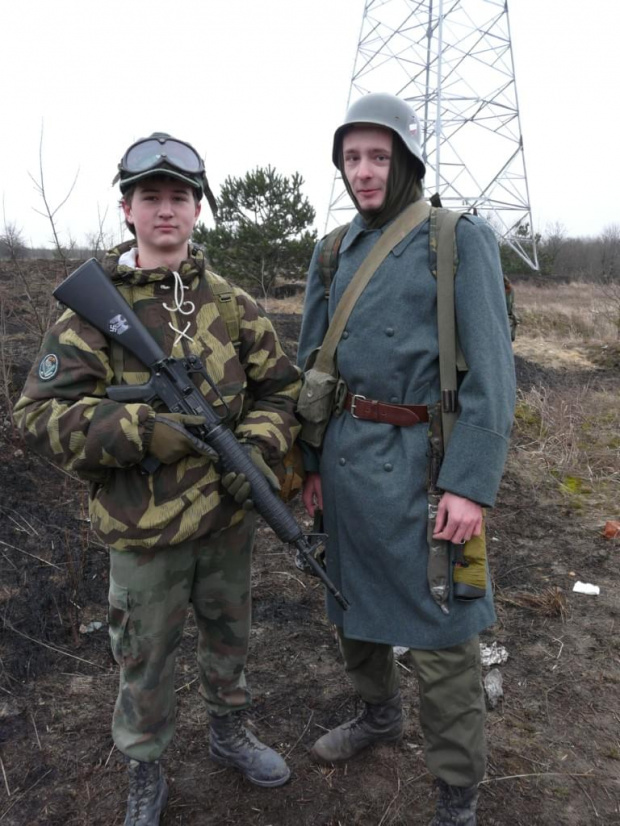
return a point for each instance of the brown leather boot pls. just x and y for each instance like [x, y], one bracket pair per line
[378, 723]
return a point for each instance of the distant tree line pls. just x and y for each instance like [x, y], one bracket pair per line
[263, 237]
[570, 259]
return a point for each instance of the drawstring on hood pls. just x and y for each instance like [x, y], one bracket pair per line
[179, 289]
[129, 259]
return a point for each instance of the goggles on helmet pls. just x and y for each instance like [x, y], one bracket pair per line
[160, 153]
[150, 153]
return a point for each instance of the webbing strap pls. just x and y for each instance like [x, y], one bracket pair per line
[328, 256]
[227, 305]
[415, 214]
[446, 319]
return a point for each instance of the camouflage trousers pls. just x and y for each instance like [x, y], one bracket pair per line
[149, 596]
[452, 705]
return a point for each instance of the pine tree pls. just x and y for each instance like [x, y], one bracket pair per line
[262, 230]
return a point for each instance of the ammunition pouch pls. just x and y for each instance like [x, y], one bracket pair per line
[322, 395]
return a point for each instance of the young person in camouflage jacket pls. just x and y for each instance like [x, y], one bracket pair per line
[180, 534]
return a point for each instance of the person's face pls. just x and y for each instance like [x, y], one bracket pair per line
[367, 151]
[163, 212]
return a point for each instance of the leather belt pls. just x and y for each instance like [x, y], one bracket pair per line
[403, 415]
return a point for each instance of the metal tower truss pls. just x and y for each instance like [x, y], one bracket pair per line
[452, 61]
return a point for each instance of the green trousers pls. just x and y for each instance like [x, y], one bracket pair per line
[452, 706]
[150, 592]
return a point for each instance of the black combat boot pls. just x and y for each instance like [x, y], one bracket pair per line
[456, 805]
[148, 793]
[378, 723]
[231, 744]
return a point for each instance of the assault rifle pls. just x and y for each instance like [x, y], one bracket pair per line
[89, 292]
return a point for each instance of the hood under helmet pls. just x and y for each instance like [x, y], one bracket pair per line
[407, 168]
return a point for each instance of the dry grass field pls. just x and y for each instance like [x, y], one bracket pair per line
[570, 429]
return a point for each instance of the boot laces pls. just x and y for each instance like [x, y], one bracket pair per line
[236, 735]
[143, 786]
[363, 720]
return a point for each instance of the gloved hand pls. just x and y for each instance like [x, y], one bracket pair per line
[237, 484]
[170, 440]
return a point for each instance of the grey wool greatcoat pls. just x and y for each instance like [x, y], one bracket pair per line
[373, 474]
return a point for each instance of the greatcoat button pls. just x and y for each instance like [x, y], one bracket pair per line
[345, 334]
[389, 331]
[342, 461]
[394, 400]
[387, 466]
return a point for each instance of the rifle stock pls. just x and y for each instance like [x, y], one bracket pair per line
[90, 293]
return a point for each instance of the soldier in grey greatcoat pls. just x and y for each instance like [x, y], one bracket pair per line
[370, 477]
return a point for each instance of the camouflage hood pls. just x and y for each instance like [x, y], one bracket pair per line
[193, 265]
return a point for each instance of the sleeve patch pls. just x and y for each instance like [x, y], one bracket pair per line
[48, 366]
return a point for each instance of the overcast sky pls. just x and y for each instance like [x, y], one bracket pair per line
[257, 82]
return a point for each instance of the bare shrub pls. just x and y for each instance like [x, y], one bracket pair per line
[551, 602]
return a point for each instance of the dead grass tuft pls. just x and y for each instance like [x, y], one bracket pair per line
[550, 603]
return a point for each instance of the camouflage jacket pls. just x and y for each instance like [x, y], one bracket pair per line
[64, 414]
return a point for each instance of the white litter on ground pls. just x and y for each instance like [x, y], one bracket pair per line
[586, 588]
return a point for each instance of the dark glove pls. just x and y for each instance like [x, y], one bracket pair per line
[237, 485]
[170, 440]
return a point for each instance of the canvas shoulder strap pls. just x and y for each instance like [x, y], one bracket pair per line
[328, 255]
[415, 214]
[444, 261]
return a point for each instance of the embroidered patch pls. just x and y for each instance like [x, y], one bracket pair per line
[48, 367]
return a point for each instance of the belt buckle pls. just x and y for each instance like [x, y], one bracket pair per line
[354, 399]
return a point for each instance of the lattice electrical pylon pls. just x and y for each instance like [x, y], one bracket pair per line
[452, 61]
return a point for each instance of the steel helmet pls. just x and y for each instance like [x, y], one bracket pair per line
[382, 109]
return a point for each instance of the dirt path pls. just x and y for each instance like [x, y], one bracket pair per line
[554, 742]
